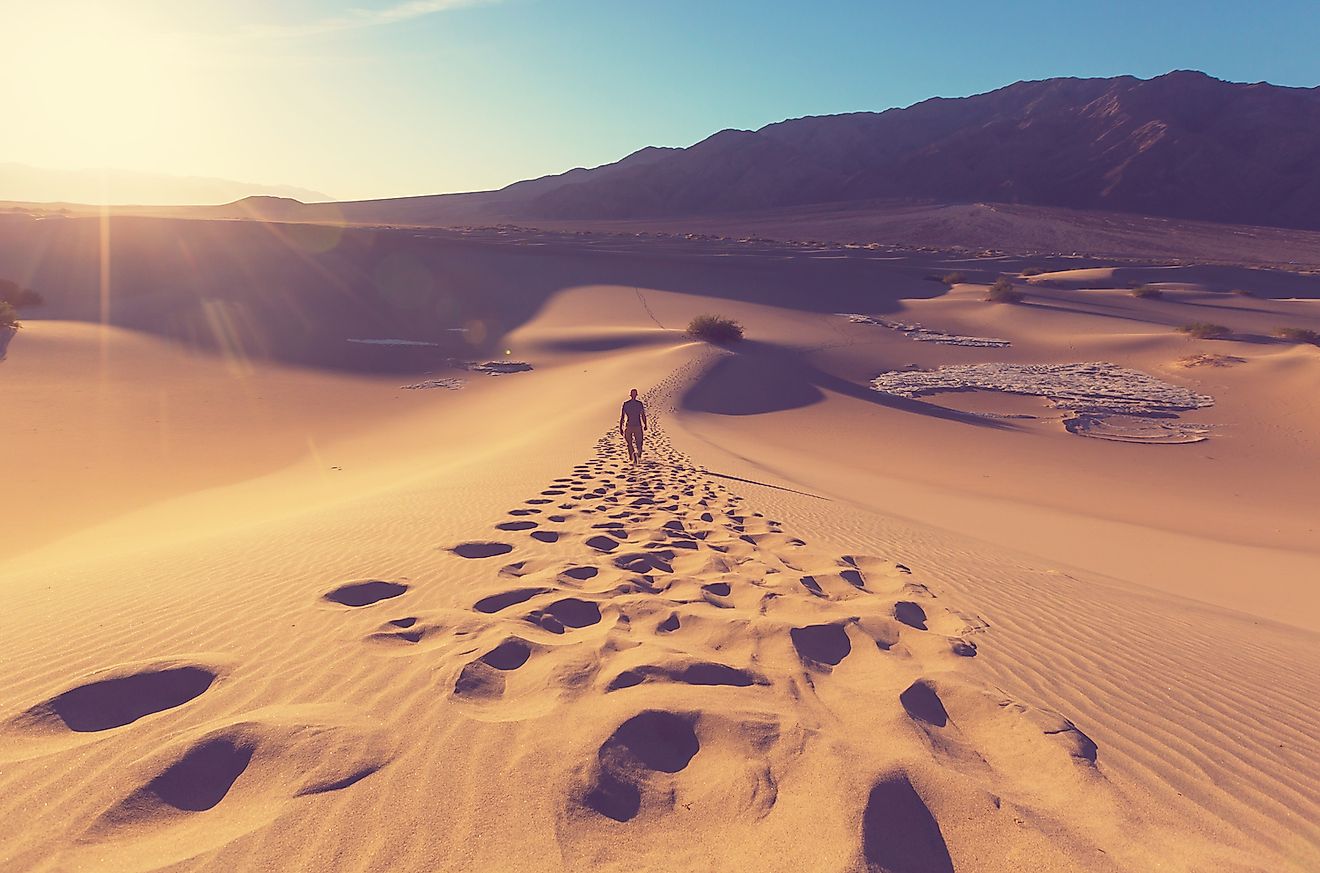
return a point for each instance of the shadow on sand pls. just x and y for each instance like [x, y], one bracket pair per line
[760, 377]
[263, 291]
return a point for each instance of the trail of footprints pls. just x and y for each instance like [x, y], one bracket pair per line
[660, 583]
[647, 580]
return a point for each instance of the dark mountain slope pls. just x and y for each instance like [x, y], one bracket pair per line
[1182, 144]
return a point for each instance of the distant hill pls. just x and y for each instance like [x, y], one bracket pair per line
[1181, 145]
[23, 183]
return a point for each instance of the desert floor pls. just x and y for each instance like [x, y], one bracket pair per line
[266, 614]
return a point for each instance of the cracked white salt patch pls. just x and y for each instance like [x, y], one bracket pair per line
[391, 342]
[451, 384]
[927, 335]
[497, 368]
[1163, 430]
[1096, 387]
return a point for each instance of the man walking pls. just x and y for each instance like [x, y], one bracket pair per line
[632, 424]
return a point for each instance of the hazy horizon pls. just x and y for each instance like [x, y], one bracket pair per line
[391, 99]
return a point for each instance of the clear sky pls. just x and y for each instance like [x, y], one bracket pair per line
[370, 98]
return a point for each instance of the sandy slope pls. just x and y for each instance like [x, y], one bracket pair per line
[123, 420]
[805, 634]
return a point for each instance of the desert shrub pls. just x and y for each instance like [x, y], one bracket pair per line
[1298, 335]
[953, 278]
[715, 329]
[1032, 271]
[1003, 292]
[8, 315]
[15, 295]
[1242, 292]
[1204, 330]
[1147, 291]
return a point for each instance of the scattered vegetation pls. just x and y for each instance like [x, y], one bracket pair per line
[1032, 271]
[15, 295]
[1147, 291]
[8, 315]
[1004, 292]
[715, 329]
[1242, 292]
[1298, 335]
[1204, 330]
[953, 278]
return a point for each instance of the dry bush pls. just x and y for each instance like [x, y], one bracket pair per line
[715, 329]
[1205, 330]
[1004, 292]
[1298, 335]
[15, 295]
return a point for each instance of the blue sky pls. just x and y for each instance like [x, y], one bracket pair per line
[397, 97]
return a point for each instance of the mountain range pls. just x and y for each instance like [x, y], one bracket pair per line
[1181, 145]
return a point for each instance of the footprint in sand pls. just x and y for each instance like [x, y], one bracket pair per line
[567, 613]
[821, 645]
[922, 703]
[669, 551]
[483, 679]
[911, 614]
[649, 743]
[481, 549]
[603, 543]
[365, 593]
[107, 700]
[691, 673]
[644, 563]
[505, 599]
[400, 629]
[212, 786]
[899, 834]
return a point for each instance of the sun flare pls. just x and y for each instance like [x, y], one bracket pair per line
[102, 81]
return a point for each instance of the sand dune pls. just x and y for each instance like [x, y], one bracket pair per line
[817, 628]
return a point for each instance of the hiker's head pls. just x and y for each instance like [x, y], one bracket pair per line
[633, 394]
